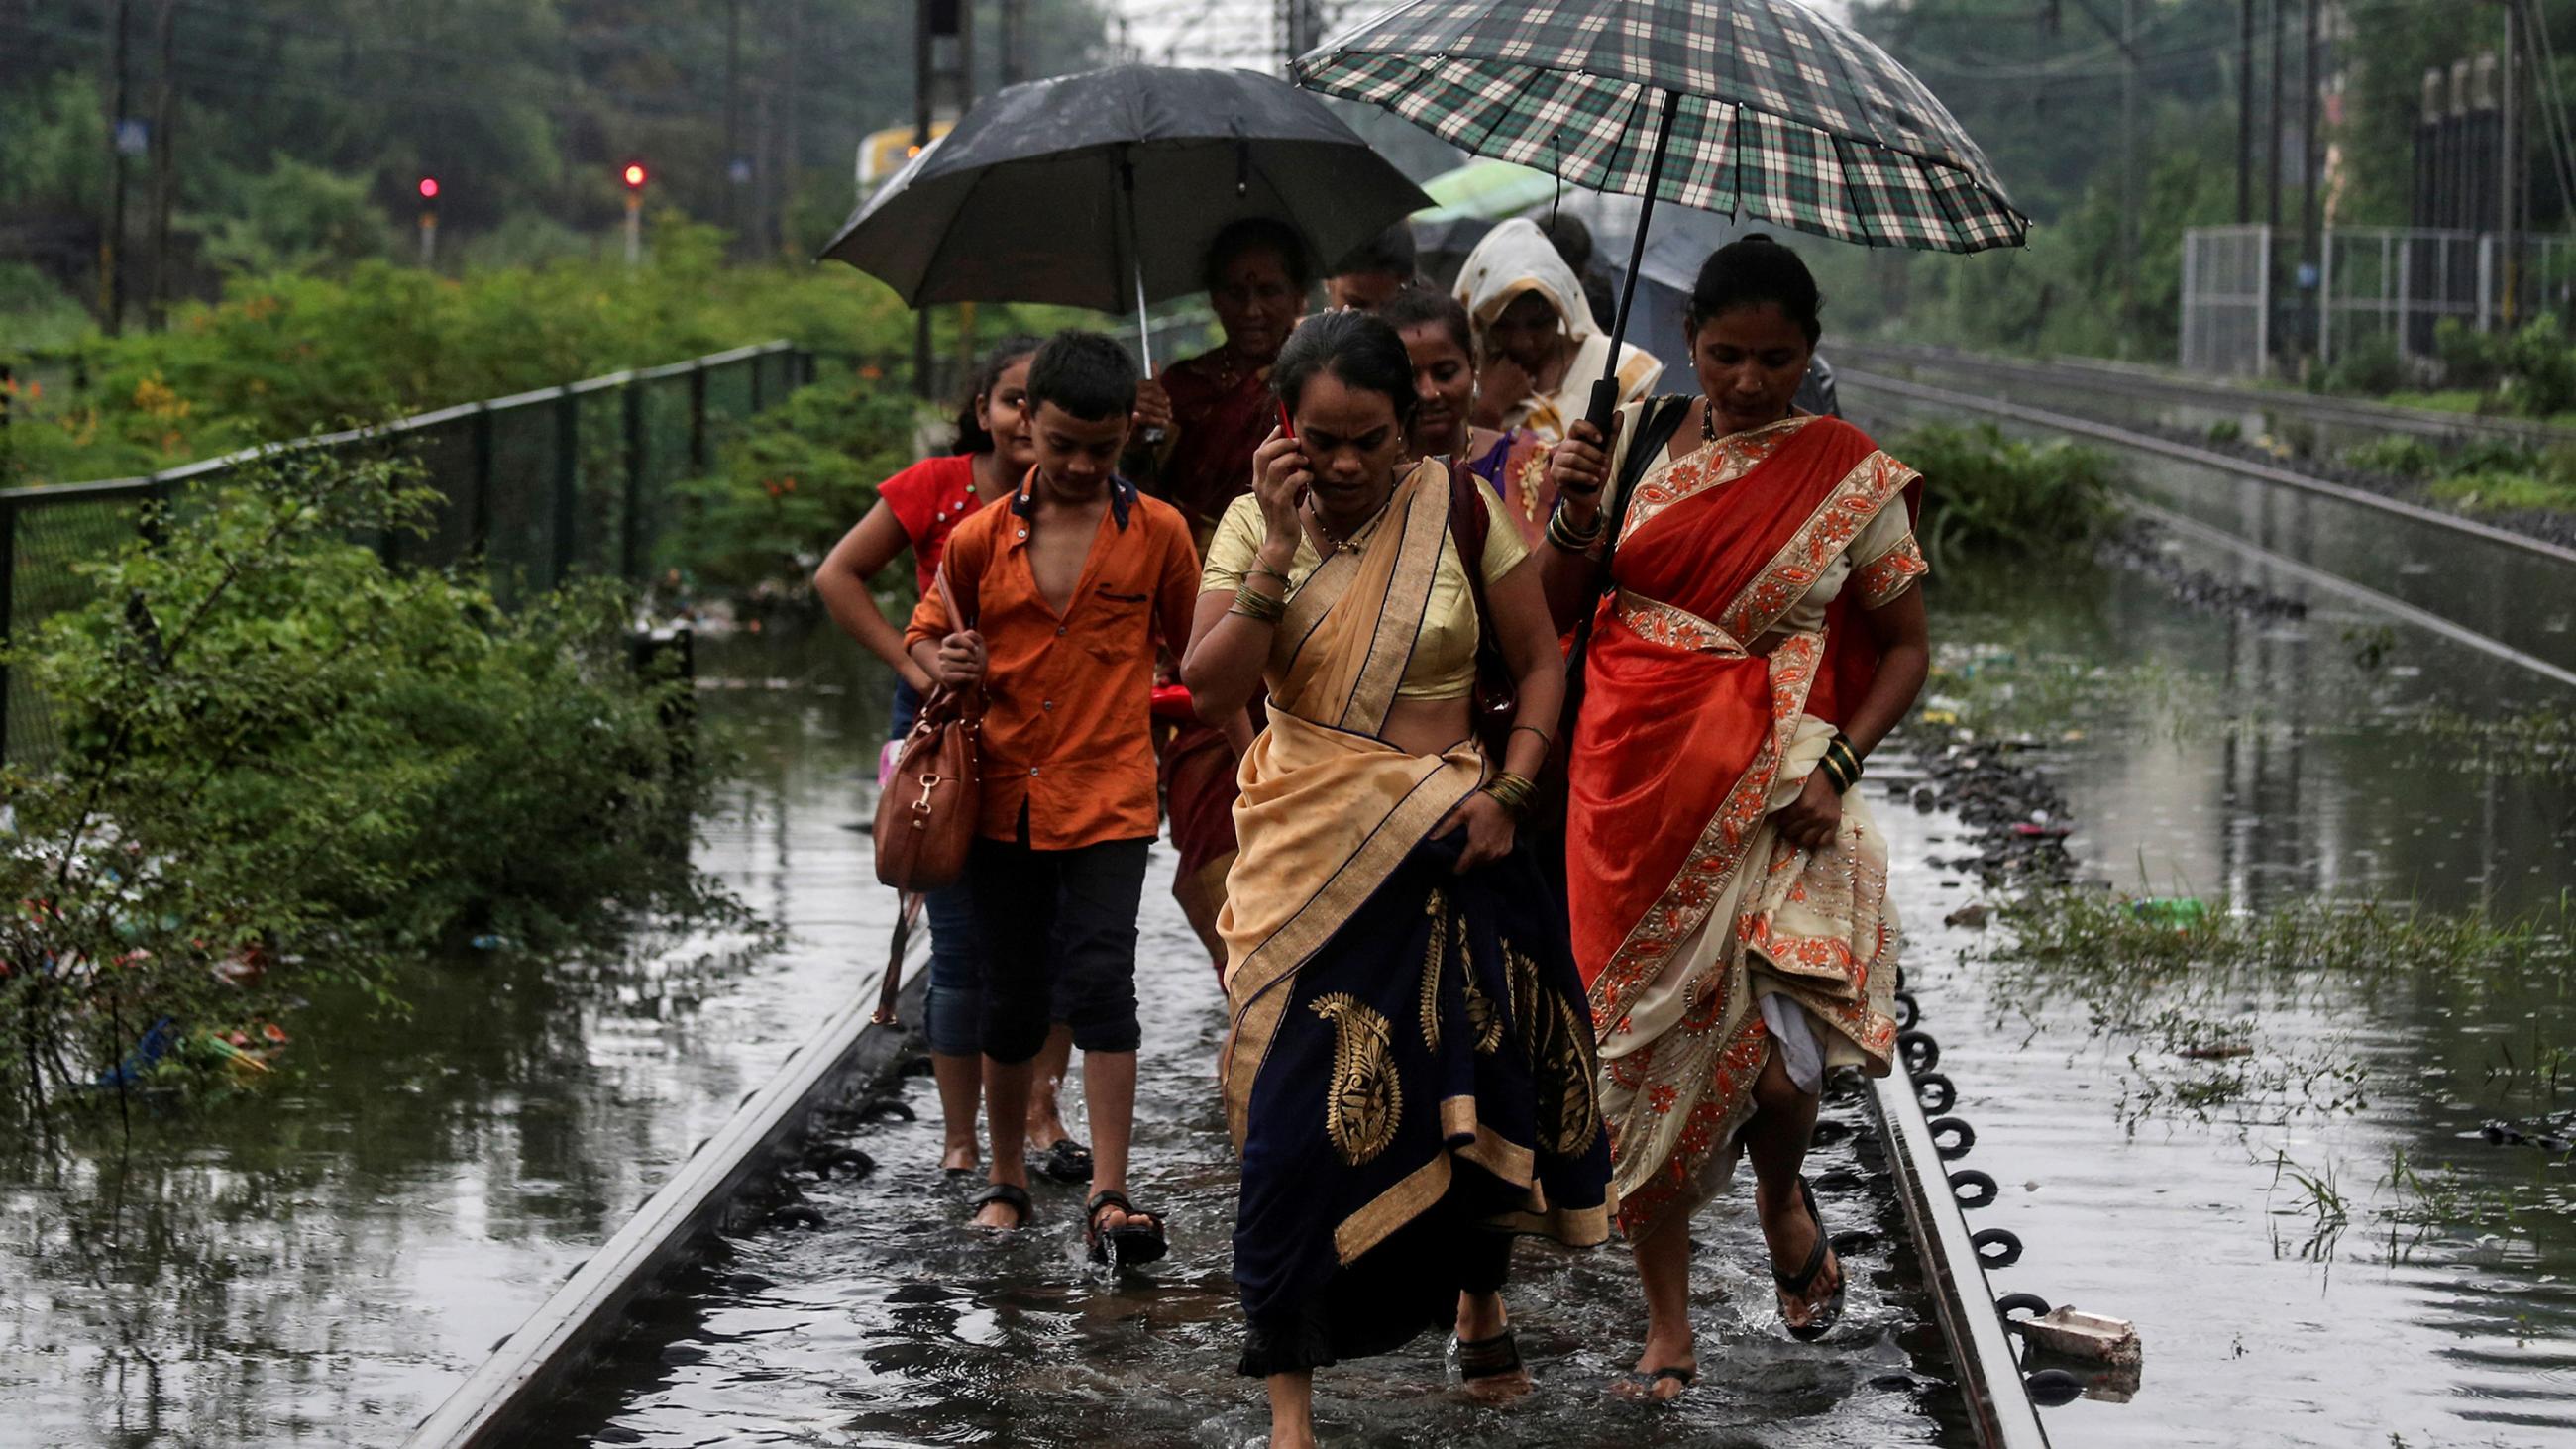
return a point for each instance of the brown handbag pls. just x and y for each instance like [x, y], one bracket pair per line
[927, 812]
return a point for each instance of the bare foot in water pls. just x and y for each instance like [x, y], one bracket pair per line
[1481, 1318]
[1663, 1371]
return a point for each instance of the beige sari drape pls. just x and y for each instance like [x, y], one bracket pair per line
[1328, 809]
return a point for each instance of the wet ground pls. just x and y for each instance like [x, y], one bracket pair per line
[320, 1263]
[898, 1323]
[2293, 1282]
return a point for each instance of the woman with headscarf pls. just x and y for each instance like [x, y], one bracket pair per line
[1538, 347]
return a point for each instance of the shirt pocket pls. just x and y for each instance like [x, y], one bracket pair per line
[1116, 629]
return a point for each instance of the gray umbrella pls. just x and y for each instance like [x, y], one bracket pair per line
[1103, 190]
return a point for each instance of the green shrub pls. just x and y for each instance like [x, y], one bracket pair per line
[2485, 475]
[286, 353]
[2374, 368]
[2470, 358]
[1986, 492]
[791, 482]
[278, 753]
[2539, 369]
[2397, 455]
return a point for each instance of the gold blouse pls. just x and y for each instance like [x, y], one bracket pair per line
[1443, 665]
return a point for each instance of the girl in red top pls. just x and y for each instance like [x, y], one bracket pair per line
[917, 509]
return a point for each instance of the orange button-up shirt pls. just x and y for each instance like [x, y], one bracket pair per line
[1067, 726]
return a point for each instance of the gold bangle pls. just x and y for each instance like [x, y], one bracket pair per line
[1268, 610]
[1514, 792]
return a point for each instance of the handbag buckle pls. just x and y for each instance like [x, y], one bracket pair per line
[921, 807]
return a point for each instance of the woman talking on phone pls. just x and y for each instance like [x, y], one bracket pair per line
[1409, 1073]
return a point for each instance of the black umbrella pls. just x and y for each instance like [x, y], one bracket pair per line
[1103, 190]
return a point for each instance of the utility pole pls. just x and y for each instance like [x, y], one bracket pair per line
[942, 72]
[2312, 165]
[1014, 41]
[733, 119]
[791, 168]
[2272, 163]
[2129, 166]
[2509, 169]
[111, 248]
[165, 110]
[2245, 112]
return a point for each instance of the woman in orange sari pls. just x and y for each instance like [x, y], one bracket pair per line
[1755, 633]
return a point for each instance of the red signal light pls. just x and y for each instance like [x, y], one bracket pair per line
[429, 188]
[635, 177]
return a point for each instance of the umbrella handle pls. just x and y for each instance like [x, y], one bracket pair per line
[1605, 392]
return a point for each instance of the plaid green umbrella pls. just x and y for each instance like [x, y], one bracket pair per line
[1766, 108]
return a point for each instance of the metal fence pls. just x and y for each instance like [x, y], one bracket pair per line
[540, 487]
[2245, 304]
[2226, 300]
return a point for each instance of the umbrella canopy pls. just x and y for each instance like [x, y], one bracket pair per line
[1490, 190]
[1103, 190]
[1771, 109]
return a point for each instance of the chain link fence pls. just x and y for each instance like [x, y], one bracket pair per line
[540, 487]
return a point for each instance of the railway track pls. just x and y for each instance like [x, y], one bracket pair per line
[2128, 381]
[723, 1188]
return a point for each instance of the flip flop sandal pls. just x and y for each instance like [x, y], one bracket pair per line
[1009, 1195]
[1065, 1160]
[1796, 1284]
[1133, 1244]
[1489, 1358]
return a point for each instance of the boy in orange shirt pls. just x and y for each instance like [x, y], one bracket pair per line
[1065, 587]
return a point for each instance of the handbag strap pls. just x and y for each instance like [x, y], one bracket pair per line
[1469, 523]
[970, 702]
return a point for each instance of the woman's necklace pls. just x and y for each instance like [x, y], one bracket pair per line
[1340, 542]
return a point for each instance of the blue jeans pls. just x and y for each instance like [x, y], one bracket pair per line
[955, 1014]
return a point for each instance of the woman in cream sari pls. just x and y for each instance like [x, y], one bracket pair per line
[1409, 1075]
[1756, 632]
[1539, 349]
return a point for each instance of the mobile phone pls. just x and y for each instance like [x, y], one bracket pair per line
[1287, 424]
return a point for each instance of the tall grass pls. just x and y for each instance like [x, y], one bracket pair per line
[1985, 492]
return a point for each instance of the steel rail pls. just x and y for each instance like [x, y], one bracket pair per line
[2134, 380]
[1990, 1381]
[534, 1361]
[2207, 458]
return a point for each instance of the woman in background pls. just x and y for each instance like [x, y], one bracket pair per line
[1513, 464]
[1538, 347]
[1216, 408]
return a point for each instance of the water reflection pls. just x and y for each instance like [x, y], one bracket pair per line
[321, 1260]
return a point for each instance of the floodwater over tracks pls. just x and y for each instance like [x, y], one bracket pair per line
[323, 1259]
[898, 1323]
[320, 1261]
[2285, 1173]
